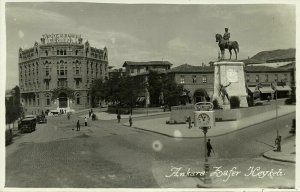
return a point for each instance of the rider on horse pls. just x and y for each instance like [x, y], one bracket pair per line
[226, 37]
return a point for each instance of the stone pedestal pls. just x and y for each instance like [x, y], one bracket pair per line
[230, 72]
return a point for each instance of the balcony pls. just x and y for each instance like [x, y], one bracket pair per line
[62, 76]
[77, 76]
[47, 77]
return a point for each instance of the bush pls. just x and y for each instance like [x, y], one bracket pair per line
[234, 102]
[289, 101]
[250, 101]
[216, 104]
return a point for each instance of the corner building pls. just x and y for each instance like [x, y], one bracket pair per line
[57, 73]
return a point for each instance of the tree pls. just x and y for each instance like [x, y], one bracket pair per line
[13, 107]
[172, 91]
[155, 81]
[98, 92]
[120, 91]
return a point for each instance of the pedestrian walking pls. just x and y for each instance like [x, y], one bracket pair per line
[130, 121]
[209, 148]
[278, 144]
[94, 117]
[85, 121]
[90, 114]
[189, 121]
[68, 115]
[78, 126]
[119, 117]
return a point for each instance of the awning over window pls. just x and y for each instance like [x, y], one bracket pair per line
[283, 88]
[140, 99]
[266, 90]
[252, 89]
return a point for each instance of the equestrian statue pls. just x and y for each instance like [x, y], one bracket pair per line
[224, 43]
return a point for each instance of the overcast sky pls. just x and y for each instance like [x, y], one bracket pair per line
[176, 33]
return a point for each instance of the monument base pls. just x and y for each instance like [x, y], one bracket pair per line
[243, 101]
[226, 107]
[230, 79]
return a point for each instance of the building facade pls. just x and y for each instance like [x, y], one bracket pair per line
[139, 68]
[56, 73]
[199, 81]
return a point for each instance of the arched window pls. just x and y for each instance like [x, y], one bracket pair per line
[48, 100]
[77, 97]
[57, 52]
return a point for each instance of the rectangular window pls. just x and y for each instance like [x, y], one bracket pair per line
[276, 77]
[77, 83]
[182, 79]
[248, 78]
[47, 72]
[204, 79]
[77, 71]
[194, 79]
[48, 101]
[267, 78]
[131, 70]
[285, 77]
[257, 78]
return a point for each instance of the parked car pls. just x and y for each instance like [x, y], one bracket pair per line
[41, 119]
[8, 136]
[27, 125]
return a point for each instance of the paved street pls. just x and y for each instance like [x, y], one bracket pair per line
[108, 154]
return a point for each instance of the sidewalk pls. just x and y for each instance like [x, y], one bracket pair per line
[287, 154]
[110, 116]
[158, 125]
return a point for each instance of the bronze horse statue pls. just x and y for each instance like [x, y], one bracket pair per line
[229, 45]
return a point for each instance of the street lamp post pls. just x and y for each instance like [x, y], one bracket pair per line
[207, 178]
[276, 104]
[205, 119]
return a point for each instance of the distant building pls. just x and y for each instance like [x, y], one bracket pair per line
[57, 73]
[116, 72]
[138, 68]
[199, 80]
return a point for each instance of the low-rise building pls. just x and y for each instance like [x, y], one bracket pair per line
[133, 68]
[199, 81]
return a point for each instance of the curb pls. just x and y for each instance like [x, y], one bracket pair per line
[241, 128]
[277, 159]
[150, 114]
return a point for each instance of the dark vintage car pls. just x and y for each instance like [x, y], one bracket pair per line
[8, 136]
[41, 119]
[27, 125]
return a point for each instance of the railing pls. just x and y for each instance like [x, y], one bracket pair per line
[62, 76]
[77, 76]
[183, 107]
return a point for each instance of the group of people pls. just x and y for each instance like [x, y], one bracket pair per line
[78, 124]
[92, 114]
[119, 119]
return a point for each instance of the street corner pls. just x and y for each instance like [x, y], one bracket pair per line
[287, 153]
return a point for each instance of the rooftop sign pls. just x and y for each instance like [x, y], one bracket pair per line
[62, 38]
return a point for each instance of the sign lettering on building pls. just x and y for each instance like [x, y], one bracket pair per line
[61, 38]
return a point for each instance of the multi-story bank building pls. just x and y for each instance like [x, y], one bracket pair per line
[56, 73]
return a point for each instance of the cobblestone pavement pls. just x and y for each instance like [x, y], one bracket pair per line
[108, 154]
